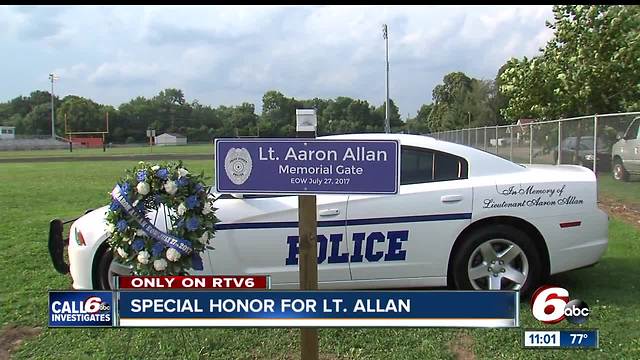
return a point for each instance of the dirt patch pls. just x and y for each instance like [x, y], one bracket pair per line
[630, 213]
[462, 346]
[12, 336]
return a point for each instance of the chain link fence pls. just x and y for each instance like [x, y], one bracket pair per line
[586, 140]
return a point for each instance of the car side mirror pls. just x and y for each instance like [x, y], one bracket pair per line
[619, 135]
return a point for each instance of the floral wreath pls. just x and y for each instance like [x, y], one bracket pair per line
[135, 241]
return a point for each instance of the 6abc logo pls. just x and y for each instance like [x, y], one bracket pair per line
[94, 304]
[551, 304]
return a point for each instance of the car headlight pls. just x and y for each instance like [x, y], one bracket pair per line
[589, 157]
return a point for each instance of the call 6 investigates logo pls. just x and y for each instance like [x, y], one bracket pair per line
[551, 304]
[80, 308]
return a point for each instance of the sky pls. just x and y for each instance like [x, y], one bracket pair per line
[226, 55]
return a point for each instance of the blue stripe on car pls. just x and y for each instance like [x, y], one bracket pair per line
[350, 222]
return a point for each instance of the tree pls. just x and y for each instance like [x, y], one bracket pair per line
[460, 98]
[82, 115]
[395, 121]
[589, 66]
[38, 120]
[420, 123]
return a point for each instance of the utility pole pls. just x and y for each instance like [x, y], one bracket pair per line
[385, 35]
[53, 77]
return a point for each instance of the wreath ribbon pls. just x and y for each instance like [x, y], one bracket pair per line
[180, 245]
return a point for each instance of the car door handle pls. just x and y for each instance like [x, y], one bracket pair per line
[450, 198]
[329, 212]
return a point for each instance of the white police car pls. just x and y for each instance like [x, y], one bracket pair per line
[463, 218]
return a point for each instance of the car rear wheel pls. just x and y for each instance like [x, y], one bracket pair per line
[619, 172]
[497, 257]
[107, 268]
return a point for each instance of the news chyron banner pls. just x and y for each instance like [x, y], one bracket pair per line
[247, 301]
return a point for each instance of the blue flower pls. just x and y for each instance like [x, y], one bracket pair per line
[121, 225]
[191, 201]
[141, 175]
[125, 188]
[138, 244]
[157, 248]
[114, 205]
[182, 181]
[193, 223]
[163, 173]
[199, 187]
[196, 261]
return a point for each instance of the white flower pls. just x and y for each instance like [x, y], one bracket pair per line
[143, 188]
[204, 238]
[140, 232]
[143, 257]
[181, 209]
[140, 162]
[182, 172]
[155, 167]
[172, 254]
[126, 239]
[170, 187]
[160, 264]
[122, 253]
[207, 208]
[110, 228]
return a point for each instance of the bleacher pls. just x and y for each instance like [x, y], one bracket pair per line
[32, 144]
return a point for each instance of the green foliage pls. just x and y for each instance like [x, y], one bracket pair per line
[170, 112]
[589, 66]
[461, 101]
[420, 123]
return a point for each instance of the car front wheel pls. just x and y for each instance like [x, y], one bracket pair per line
[497, 257]
[619, 172]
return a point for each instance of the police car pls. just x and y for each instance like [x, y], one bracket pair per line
[463, 218]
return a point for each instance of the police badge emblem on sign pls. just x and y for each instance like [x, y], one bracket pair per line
[238, 165]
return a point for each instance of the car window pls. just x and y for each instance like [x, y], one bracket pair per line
[417, 166]
[633, 132]
[422, 166]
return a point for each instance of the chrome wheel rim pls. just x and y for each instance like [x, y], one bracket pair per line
[498, 264]
[617, 171]
[117, 269]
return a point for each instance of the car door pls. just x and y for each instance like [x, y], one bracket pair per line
[259, 235]
[410, 234]
[631, 152]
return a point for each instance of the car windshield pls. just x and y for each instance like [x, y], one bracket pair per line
[586, 143]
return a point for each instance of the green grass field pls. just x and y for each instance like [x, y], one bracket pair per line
[134, 150]
[35, 193]
[627, 192]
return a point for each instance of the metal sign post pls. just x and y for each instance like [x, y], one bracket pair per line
[306, 123]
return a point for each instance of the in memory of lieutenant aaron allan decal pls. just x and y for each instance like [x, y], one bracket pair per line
[238, 165]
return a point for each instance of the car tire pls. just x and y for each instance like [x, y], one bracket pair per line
[520, 260]
[105, 268]
[619, 172]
